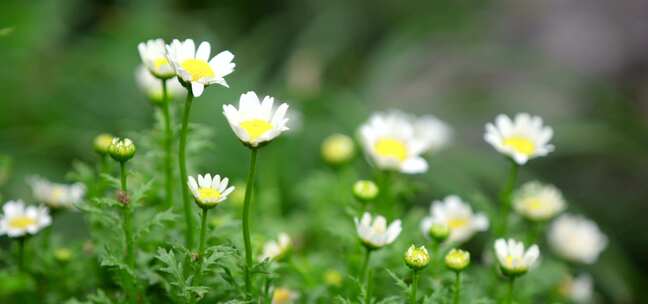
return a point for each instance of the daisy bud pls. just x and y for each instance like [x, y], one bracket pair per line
[337, 149]
[122, 149]
[63, 254]
[417, 258]
[457, 259]
[365, 190]
[439, 232]
[102, 143]
[333, 278]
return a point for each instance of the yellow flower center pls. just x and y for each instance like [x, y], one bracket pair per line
[21, 222]
[534, 204]
[255, 128]
[160, 61]
[393, 148]
[520, 144]
[281, 296]
[208, 194]
[56, 195]
[457, 223]
[197, 68]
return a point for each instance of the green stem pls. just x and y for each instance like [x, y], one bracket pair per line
[182, 160]
[509, 296]
[367, 299]
[506, 197]
[21, 254]
[457, 288]
[168, 145]
[246, 225]
[128, 219]
[415, 277]
[201, 248]
[365, 265]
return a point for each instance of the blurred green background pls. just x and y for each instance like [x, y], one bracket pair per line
[67, 74]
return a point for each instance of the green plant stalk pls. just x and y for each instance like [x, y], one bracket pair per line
[168, 145]
[127, 220]
[182, 160]
[201, 247]
[415, 277]
[21, 254]
[246, 225]
[509, 295]
[457, 288]
[367, 299]
[364, 277]
[506, 197]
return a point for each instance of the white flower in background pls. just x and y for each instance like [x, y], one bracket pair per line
[256, 122]
[284, 296]
[538, 202]
[457, 216]
[435, 133]
[153, 54]
[376, 234]
[56, 195]
[152, 86]
[390, 142]
[194, 66]
[576, 238]
[18, 219]
[208, 191]
[512, 257]
[578, 289]
[521, 139]
[275, 250]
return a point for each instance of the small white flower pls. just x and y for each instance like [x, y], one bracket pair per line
[578, 289]
[391, 142]
[576, 238]
[256, 122]
[457, 216]
[376, 234]
[153, 54]
[194, 66]
[275, 250]
[538, 202]
[18, 219]
[208, 191]
[152, 86]
[513, 259]
[521, 139]
[56, 195]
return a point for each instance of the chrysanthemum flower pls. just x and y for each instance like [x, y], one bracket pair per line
[395, 141]
[275, 250]
[521, 139]
[376, 234]
[152, 86]
[56, 195]
[512, 257]
[18, 219]
[578, 289]
[194, 68]
[208, 191]
[256, 122]
[153, 54]
[538, 202]
[457, 216]
[576, 238]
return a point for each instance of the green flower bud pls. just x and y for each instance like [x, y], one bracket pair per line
[102, 143]
[417, 258]
[122, 149]
[439, 232]
[365, 190]
[337, 149]
[63, 254]
[457, 259]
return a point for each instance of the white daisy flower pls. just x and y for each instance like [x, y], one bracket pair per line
[578, 289]
[256, 122]
[435, 133]
[521, 139]
[390, 142]
[152, 86]
[576, 238]
[18, 219]
[512, 257]
[376, 234]
[193, 67]
[56, 195]
[457, 216]
[275, 250]
[538, 202]
[208, 191]
[153, 54]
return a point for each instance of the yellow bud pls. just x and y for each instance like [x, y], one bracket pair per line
[337, 149]
[102, 143]
[417, 258]
[365, 190]
[333, 278]
[63, 254]
[122, 149]
[457, 259]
